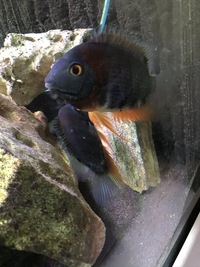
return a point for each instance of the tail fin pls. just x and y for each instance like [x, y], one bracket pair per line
[103, 189]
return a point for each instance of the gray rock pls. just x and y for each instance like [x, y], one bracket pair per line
[41, 209]
[26, 59]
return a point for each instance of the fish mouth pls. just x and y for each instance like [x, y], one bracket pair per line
[52, 86]
[56, 90]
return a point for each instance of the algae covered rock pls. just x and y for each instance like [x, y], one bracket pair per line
[134, 153]
[136, 156]
[41, 209]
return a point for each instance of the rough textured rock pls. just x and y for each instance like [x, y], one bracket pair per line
[135, 154]
[26, 59]
[41, 209]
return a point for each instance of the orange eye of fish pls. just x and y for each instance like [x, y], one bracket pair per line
[76, 69]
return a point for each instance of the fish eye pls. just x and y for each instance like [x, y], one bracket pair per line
[76, 69]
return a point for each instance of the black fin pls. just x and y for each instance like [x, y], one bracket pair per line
[57, 129]
[136, 47]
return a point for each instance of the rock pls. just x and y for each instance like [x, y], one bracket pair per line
[134, 154]
[41, 209]
[26, 59]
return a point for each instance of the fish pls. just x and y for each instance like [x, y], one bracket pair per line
[110, 72]
[89, 158]
[45, 107]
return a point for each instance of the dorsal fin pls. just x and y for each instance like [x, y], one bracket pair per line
[138, 48]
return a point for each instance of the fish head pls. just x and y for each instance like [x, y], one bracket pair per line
[71, 77]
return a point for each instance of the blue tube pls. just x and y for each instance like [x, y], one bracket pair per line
[104, 14]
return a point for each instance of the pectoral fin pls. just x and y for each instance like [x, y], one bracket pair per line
[144, 113]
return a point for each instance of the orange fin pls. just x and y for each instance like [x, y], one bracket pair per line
[103, 138]
[100, 118]
[144, 113]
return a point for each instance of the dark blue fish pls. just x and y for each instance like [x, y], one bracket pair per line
[88, 157]
[107, 73]
[45, 103]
